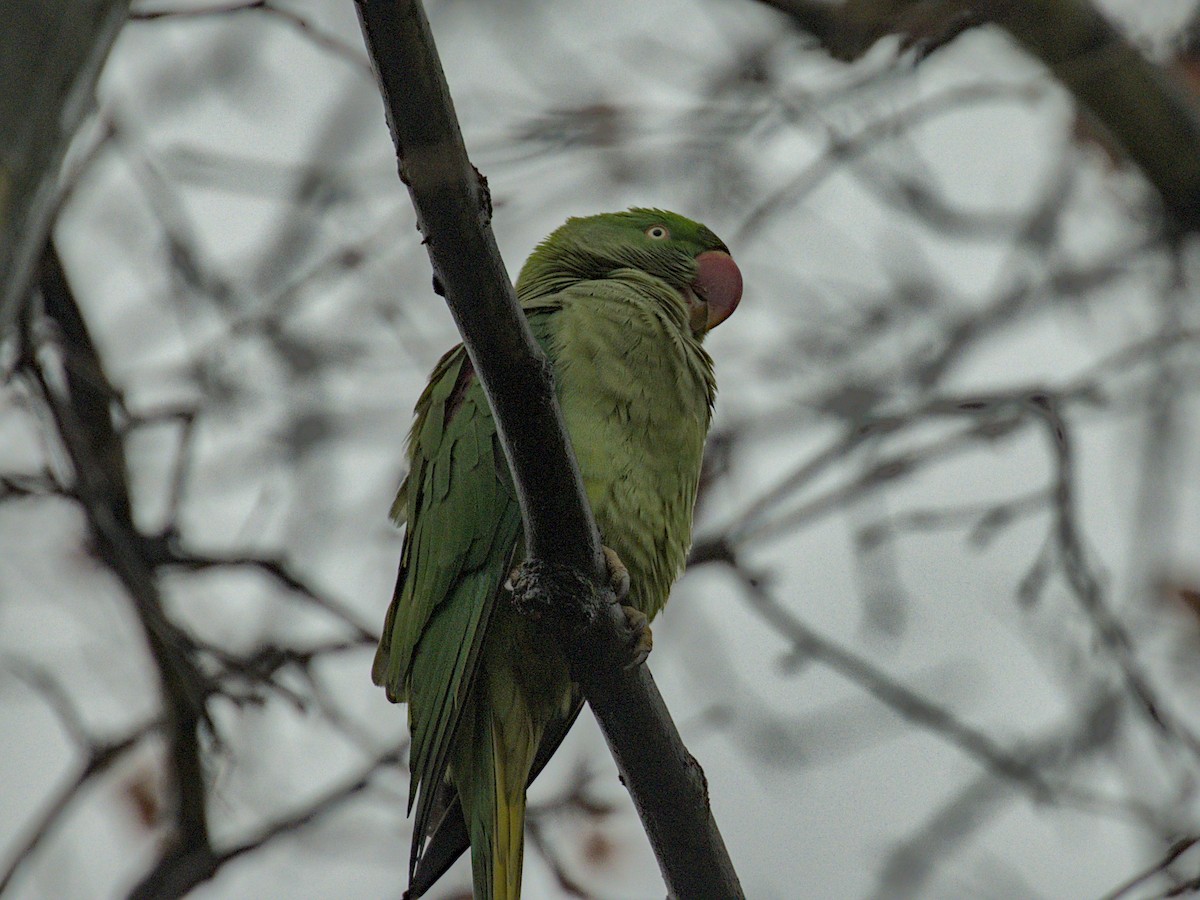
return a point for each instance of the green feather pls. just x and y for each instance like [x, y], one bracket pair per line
[607, 299]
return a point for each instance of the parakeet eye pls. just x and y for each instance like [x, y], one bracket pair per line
[658, 232]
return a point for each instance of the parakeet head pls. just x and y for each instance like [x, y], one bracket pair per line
[664, 244]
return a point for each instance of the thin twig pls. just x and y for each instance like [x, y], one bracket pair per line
[1176, 850]
[317, 36]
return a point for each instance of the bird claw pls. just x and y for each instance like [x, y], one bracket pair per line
[618, 575]
[641, 638]
[533, 605]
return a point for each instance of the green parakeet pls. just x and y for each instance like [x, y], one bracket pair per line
[620, 303]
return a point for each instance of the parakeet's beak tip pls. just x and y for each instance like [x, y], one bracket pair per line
[719, 283]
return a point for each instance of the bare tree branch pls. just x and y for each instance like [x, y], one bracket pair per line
[166, 553]
[319, 37]
[908, 867]
[82, 412]
[847, 30]
[178, 874]
[806, 642]
[1140, 104]
[1176, 850]
[1114, 638]
[100, 756]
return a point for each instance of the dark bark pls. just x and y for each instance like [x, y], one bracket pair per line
[565, 568]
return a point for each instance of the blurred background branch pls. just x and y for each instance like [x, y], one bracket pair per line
[1143, 107]
[50, 58]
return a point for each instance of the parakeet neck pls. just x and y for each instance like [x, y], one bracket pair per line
[556, 266]
[538, 281]
[548, 272]
[543, 283]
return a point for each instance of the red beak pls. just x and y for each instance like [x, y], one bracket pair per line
[719, 284]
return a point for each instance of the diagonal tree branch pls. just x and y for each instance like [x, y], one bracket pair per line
[565, 566]
[101, 756]
[1141, 105]
[317, 36]
[1137, 102]
[188, 870]
[1176, 850]
[82, 410]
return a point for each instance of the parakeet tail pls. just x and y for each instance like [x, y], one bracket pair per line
[508, 836]
[495, 814]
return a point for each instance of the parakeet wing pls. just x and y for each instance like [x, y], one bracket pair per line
[463, 529]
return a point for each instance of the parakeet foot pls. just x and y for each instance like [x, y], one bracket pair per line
[618, 575]
[641, 639]
[534, 586]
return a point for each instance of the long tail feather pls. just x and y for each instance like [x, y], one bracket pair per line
[508, 832]
[492, 774]
[497, 832]
[450, 840]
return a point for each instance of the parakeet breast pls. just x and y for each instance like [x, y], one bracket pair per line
[636, 390]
